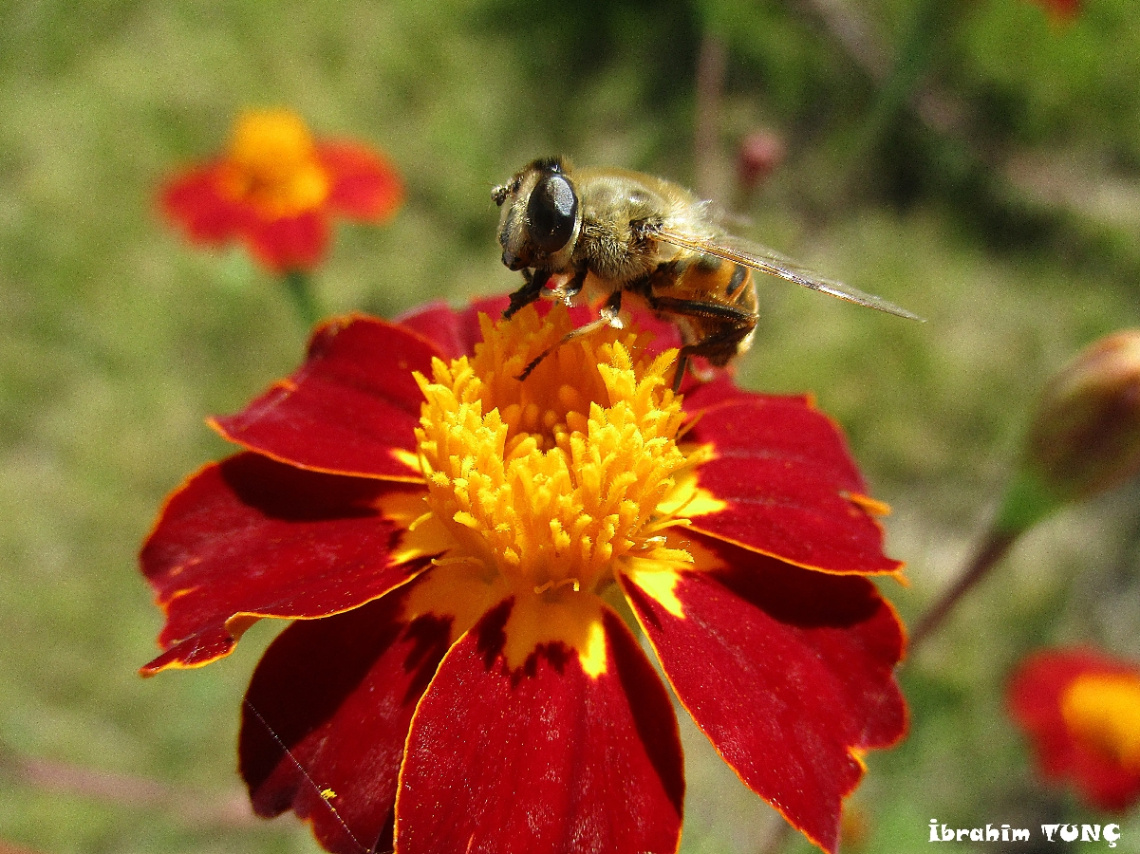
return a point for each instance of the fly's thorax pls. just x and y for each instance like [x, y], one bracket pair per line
[612, 253]
[621, 214]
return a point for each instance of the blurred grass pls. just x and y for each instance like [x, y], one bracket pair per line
[116, 340]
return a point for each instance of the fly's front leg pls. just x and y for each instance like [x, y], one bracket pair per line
[569, 289]
[534, 282]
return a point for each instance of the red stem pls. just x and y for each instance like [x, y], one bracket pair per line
[993, 549]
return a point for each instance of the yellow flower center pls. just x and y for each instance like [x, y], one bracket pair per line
[273, 165]
[1103, 711]
[552, 480]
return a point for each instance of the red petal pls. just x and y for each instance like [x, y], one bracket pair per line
[338, 694]
[249, 538]
[1034, 698]
[364, 184]
[665, 334]
[791, 487]
[721, 389]
[192, 201]
[787, 671]
[350, 409]
[544, 759]
[454, 332]
[290, 243]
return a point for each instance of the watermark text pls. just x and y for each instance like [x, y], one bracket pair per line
[1108, 833]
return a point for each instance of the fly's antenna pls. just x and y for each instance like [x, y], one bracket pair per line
[324, 794]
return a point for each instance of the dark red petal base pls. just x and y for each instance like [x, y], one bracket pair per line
[544, 759]
[326, 715]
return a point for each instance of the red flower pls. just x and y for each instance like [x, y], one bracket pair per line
[1063, 10]
[462, 552]
[276, 189]
[1081, 709]
[759, 154]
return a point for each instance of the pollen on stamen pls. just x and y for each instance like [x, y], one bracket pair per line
[1104, 709]
[554, 478]
[273, 164]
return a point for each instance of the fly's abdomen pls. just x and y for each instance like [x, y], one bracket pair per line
[709, 279]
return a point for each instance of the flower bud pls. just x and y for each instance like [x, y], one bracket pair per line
[1085, 436]
[759, 155]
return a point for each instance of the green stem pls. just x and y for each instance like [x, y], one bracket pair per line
[1028, 499]
[298, 283]
[917, 51]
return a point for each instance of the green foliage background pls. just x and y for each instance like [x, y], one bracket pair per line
[1014, 231]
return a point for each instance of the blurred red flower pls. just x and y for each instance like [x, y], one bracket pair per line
[1081, 709]
[759, 154]
[276, 189]
[462, 552]
[1062, 9]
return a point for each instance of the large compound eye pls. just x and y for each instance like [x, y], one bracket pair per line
[550, 213]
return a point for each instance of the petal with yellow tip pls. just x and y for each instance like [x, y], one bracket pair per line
[351, 408]
[328, 711]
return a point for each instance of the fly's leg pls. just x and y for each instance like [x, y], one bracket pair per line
[607, 316]
[533, 283]
[734, 325]
[717, 348]
[569, 289]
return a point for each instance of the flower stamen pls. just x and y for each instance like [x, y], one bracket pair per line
[1103, 710]
[273, 165]
[550, 482]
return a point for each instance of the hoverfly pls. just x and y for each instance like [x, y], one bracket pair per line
[613, 231]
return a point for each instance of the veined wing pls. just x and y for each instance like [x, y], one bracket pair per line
[766, 261]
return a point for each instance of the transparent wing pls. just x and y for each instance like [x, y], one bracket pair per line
[766, 261]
